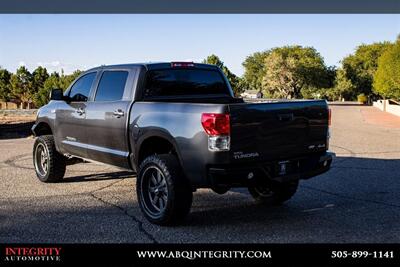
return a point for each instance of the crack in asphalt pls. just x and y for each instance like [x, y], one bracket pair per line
[98, 198]
[348, 197]
[24, 198]
[340, 160]
[125, 211]
[352, 153]
[361, 168]
[376, 152]
[11, 162]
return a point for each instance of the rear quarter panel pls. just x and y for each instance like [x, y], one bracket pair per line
[180, 123]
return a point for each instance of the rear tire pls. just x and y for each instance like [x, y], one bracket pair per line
[49, 165]
[164, 195]
[274, 194]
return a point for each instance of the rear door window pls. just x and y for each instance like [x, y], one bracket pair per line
[111, 86]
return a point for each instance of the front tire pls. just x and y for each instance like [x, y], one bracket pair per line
[164, 195]
[49, 165]
[275, 193]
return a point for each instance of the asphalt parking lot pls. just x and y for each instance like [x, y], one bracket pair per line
[358, 200]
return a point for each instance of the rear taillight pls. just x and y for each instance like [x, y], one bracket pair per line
[182, 64]
[218, 128]
[216, 124]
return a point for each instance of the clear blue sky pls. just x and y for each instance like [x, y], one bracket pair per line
[83, 41]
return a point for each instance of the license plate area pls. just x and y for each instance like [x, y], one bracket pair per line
[285, 167]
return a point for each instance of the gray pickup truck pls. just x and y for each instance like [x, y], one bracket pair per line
[179, 127]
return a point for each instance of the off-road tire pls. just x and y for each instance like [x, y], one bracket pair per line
[56, 162]
[178, 201]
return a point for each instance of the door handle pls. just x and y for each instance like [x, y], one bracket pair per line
[80, 111]
[118, 113]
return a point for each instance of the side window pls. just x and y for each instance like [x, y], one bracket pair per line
[111, 86]
[81, 88]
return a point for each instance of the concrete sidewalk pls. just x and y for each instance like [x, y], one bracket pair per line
[377, 117]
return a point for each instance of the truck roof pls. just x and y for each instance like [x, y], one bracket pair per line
[152, 65]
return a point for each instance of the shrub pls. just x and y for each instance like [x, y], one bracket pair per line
[387, 77]
[361, 98]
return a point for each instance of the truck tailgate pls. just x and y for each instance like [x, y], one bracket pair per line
[278, 130]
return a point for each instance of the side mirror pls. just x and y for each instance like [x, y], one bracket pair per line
[56, 94]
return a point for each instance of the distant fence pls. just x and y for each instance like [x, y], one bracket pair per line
[8, 105]
[389, 106]
[17, 112]
[15, 105]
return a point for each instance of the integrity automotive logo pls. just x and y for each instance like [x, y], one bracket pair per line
[32, 254]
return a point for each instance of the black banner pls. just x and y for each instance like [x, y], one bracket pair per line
[200, 254]
[200, 6]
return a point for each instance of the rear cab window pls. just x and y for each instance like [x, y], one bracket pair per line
[180, 82]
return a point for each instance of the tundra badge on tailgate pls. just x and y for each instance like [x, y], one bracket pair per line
[241, 155]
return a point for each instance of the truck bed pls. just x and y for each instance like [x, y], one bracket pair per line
[278, 130]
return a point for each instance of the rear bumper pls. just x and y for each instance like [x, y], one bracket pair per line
[260, 173]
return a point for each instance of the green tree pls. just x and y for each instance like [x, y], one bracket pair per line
[331, 76]
[21, 84]
[291, 69]
[66, 80]
[254, 70]
[344, 88]
[52, 82]
[5, 86]
[361, 66]
[39, 76]
[232, 78]
[387, 76]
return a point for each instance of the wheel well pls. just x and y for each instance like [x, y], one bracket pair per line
[43, 129]
[155, 145]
